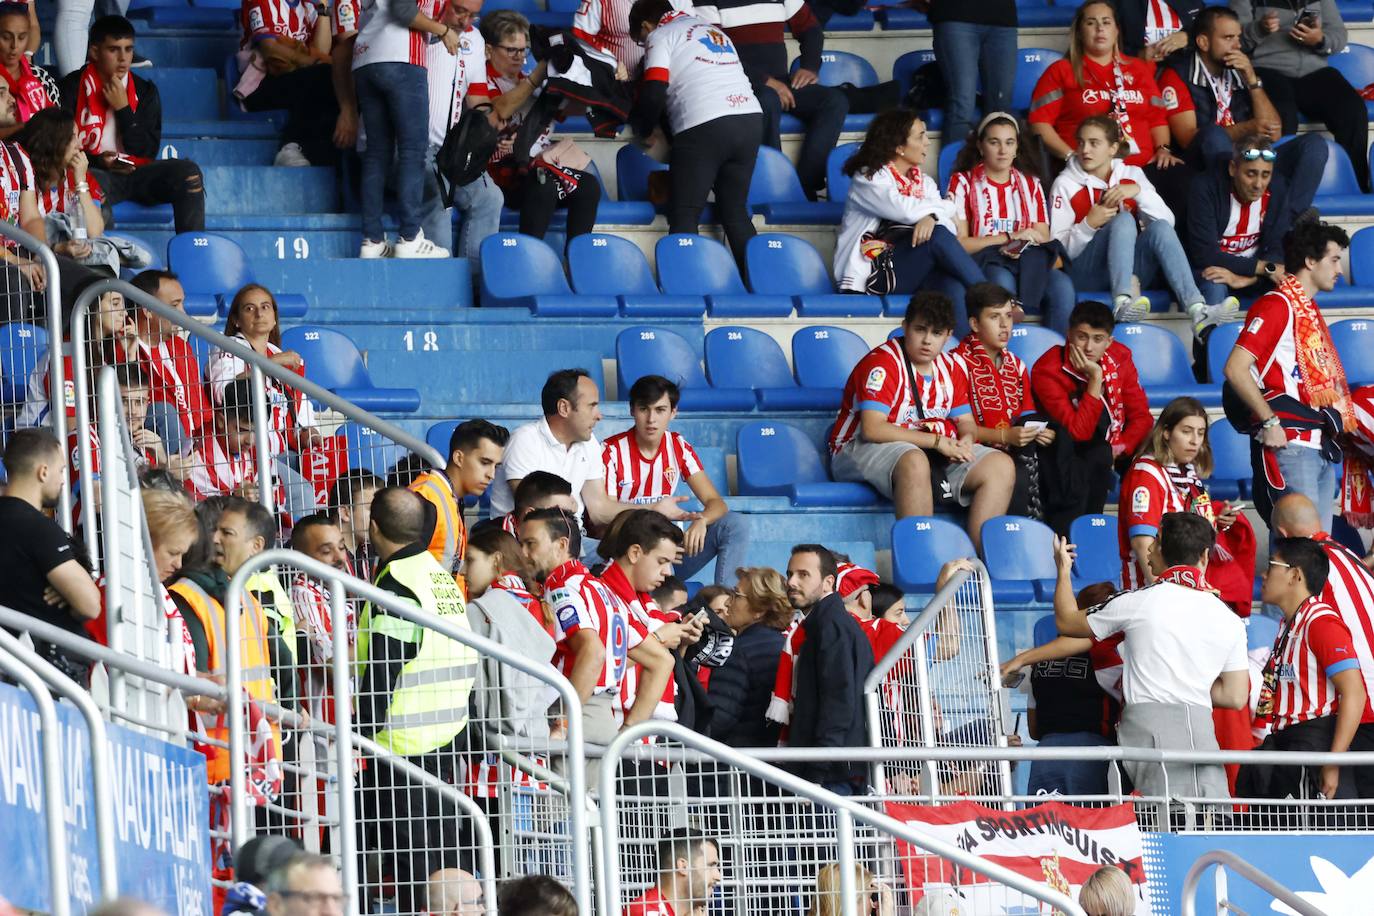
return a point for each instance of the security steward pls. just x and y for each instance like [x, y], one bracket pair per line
[414, 686]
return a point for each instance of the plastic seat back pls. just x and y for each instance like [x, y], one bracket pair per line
[1356, 64]
[1030, 341]
[645, 350]
[208, 263]
[1019, 549]
[905, 67]
[608, 265]
[785, 265]
[1339, 175]
[740, 357]
[772, 457]
[836, 181]
[1354, 339]
[948, 154]
[1231, 469]
[632, 168]
[1160, 358]
[22, 345]
[332, 360]
[692, 265]
[1220, 343]
[1099, 553]
[1362, 257]
[775, 179]
[372, 451]
[823, 356]
[515, 265]
[840, 67]
[1031, 64]
[923, 544]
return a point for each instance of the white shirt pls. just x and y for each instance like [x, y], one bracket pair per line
[1178, 641]
[383, 36]
[450, 75]
[532, 447]
[702, 69]
[886, 195]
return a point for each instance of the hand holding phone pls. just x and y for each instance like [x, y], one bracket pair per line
[1014, 248]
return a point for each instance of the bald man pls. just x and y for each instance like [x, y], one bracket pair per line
[454, 892]
[1350, 585]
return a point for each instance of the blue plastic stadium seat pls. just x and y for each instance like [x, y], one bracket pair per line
[213, 268]
[1099, 553]
[632, 168]
[1040, 15]
[1260, 632]
[620, 212]
[905, 67]
[836, 181]
[608, 265]
[372, 451]
[1356, 64]
[823, 357]
[438, 434]
[1356, 11]
[643, 350]
[1362, 257]
[1231, 473]
[1019, 554]
[1354, 340]
[840, 67]
[21, 347]
[1163, 365]
[1220, 343]
[785, 265]
[692, 265]
[1030, 341]
[921, 544]
[1031, 64]
[1339, 192]
[945, 169]
[740, 357]
[775, 193]
[188, 94]
[1045, 630]
[521, 271]
[902, 18]
[332, 361]
[775, 459]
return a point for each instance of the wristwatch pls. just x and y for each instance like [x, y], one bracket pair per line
[1270, 423]
[1270, 268]
[1257, 84]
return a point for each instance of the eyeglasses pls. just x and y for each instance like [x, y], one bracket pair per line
[1250, 155]
[317, 898]
[513, 52]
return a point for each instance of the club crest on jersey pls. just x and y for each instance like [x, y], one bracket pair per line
[1255, 324]
[255, 20]
[671, 475]
[1140, 500]
[876, 379]
[715, 42]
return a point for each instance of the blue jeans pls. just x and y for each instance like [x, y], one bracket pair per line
[1055, 303]
[967, 51]
[1305, 471]
[479, 202]
[728, 542]
[393, 100]
[1070, 777]
[1120, 249]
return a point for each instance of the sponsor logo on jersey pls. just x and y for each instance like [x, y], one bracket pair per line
[1140, 500]
[876, 379]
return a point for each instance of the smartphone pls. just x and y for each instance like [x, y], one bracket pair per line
[702, 617]
[1014, 248]
[123, 159]
[1308, 17]
[1237, 506]
[1014, 679]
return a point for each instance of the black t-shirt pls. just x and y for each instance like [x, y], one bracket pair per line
[1069, 699]
[31, 546]
[985, 12]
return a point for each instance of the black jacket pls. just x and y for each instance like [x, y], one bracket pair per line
[1209, 210]
[740, 689]
[1190, 69]
[140, 132]
[1131, 14]
[827, 703]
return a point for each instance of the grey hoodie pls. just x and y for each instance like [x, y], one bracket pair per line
[1276, 50]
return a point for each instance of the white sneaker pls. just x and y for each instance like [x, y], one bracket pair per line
[418, 247]
[291, 156]
[1206, 316]
[373, 249]
[1128, 309]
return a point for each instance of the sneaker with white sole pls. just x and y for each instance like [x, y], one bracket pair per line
[1207, 316]
[290, 156]
[371, 249]
[418, 247]
[1129, 308]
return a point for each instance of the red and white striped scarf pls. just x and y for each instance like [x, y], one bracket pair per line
[978, 203]
[92, 110]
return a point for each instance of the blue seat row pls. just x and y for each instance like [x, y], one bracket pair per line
[212, 268]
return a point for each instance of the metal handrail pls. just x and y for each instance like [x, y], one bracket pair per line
[54, 806]
[260, 366]
[342, 582]
[915, 631]
[1264, 882]
[608, 888]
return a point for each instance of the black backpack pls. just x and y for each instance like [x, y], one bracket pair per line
[467, 148]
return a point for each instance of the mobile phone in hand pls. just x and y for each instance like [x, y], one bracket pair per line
[1014, 248]
[1308, 18]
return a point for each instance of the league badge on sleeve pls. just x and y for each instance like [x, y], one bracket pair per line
[1140, 500]
[876, 379]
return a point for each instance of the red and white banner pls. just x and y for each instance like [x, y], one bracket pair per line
[1057, 844]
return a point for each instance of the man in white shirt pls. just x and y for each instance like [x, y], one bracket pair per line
[1183, 652]
[562, 443]
[455, 81]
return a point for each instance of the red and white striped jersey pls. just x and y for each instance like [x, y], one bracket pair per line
[382, 38]
[603, 28]
[510, 582]
[173, 373]
[314, 618]
[1350, 590]
[633, 478]
[56, 198]
[885, 381]
[288, 409]
[214, 471]
[292, 19]
[1242, 232]
[1317, 647]
[1148, 492]
[990, 208]
[1160, 21]
[651, 903]
[649, 616]
[16, 177]
[581, 601]
[1270, 337]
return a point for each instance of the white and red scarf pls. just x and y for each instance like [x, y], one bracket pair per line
[1188, 577]
[978, 205]
[1117, 96]
[28, 90]
[1111, 391]
[92, 110]
[995, 391]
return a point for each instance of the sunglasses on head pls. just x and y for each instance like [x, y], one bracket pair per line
[1250, 155]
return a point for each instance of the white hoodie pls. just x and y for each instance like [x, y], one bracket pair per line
[872, 200]
[1075, 192]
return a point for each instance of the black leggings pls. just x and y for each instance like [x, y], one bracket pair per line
[307, 95]
[1324, 95]
[536, 197]
[163, 181]
[717, 155]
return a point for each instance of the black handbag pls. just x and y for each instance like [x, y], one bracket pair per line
[881, 243]
[467, 148]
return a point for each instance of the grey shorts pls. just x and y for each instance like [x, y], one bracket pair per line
[874, 462]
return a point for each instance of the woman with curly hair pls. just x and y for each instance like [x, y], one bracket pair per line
[740, 689]
[897, 230]
[61, 181]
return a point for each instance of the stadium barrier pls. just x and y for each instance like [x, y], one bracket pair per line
[33, 386]
[1224, 860]
[537, 827]
[312, 436]
[939, 686]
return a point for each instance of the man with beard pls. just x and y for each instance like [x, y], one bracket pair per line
[688, 873]
[318, 536]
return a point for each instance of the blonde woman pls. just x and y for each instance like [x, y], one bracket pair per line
[173, 529]
[740, 689]
[1107, 892]
[872, 895]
